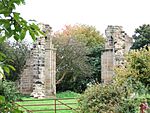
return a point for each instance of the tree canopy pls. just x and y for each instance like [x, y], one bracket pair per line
[141, 36]
[77, 56]
[16, 56]
[127, 90]
[89, 35]
[137, 67]
[12, 25]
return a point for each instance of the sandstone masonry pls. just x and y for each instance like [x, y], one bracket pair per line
[39, 76]
[117, 45]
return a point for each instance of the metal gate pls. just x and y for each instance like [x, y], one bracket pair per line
[55, 105]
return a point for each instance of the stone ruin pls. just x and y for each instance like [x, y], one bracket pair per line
[117, 45]
[39, 76]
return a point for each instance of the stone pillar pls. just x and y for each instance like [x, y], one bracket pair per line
[38, 68]
[39, 77]
[117, 45]
[107, 65]
[45, 66]
[50, 67]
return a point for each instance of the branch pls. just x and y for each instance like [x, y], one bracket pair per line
[58, 82]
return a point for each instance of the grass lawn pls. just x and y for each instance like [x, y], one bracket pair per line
[63, 95]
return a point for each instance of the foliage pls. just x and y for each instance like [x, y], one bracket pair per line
[83, 33]
[100, 98]
[132, 89]
[71, 64]
[9, 90]
[8, 107]
[124, 94]
[18, 53]
[12, 25]
[3, 66]
[105, 98]
[94, 58]
[137, 67]
[131, 105]
[141, 36]
[74, 44]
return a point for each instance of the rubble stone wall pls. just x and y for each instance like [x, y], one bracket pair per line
[117, 45]
[38, 78]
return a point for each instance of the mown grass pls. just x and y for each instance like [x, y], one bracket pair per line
[68, 94]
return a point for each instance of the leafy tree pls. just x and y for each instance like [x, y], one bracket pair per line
[94, 58]
[13, 25]
[83, 33]
[16, 55]
[124, 94]
[74, 48]
[137, 67]
[141, 36]
[71, 64]
[9, 90]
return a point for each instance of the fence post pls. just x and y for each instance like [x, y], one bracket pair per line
[55, 104]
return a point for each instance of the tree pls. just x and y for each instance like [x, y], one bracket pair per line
[16, 55]
[141, 36]
[126, 91]
[13, 25]
[137, 67]
[71, 64]
[94, 58]
[74, 48]
[89, 35]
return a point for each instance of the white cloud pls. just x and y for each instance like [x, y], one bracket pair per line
[100, 13]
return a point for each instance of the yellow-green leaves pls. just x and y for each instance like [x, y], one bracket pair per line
[137, 67]
[2, 99]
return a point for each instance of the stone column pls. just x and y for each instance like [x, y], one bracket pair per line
[117, 44]
[107, 65]
[50, 67]
[38, 68]
[39, 77]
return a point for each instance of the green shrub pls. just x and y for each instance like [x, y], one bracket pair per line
[117, 97]
[131, 105]
[8, 107]
[128, 106]
[9, 90]
[100, 98]
[137, 66]
[106, 98]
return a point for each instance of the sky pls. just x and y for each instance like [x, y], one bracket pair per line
[100, 13]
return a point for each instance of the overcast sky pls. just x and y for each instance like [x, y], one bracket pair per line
[127, 13]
